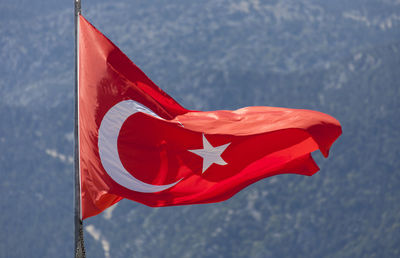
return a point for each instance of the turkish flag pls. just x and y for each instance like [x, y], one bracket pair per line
[138, 143]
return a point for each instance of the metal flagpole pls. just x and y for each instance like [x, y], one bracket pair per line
[79, 244]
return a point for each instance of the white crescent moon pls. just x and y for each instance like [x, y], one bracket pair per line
[108, 150]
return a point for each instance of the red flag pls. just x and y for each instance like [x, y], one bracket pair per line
[138, 143]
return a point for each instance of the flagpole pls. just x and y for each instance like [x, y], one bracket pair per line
[78, 239]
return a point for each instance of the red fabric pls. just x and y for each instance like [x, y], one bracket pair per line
[264, 141]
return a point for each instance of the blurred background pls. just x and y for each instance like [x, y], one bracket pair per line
[339, 57]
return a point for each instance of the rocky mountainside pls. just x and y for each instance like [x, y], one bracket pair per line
[337, 57]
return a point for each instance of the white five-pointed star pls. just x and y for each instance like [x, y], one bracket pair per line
[210, 154]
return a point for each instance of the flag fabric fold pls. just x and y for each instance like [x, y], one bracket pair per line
[138, 143]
